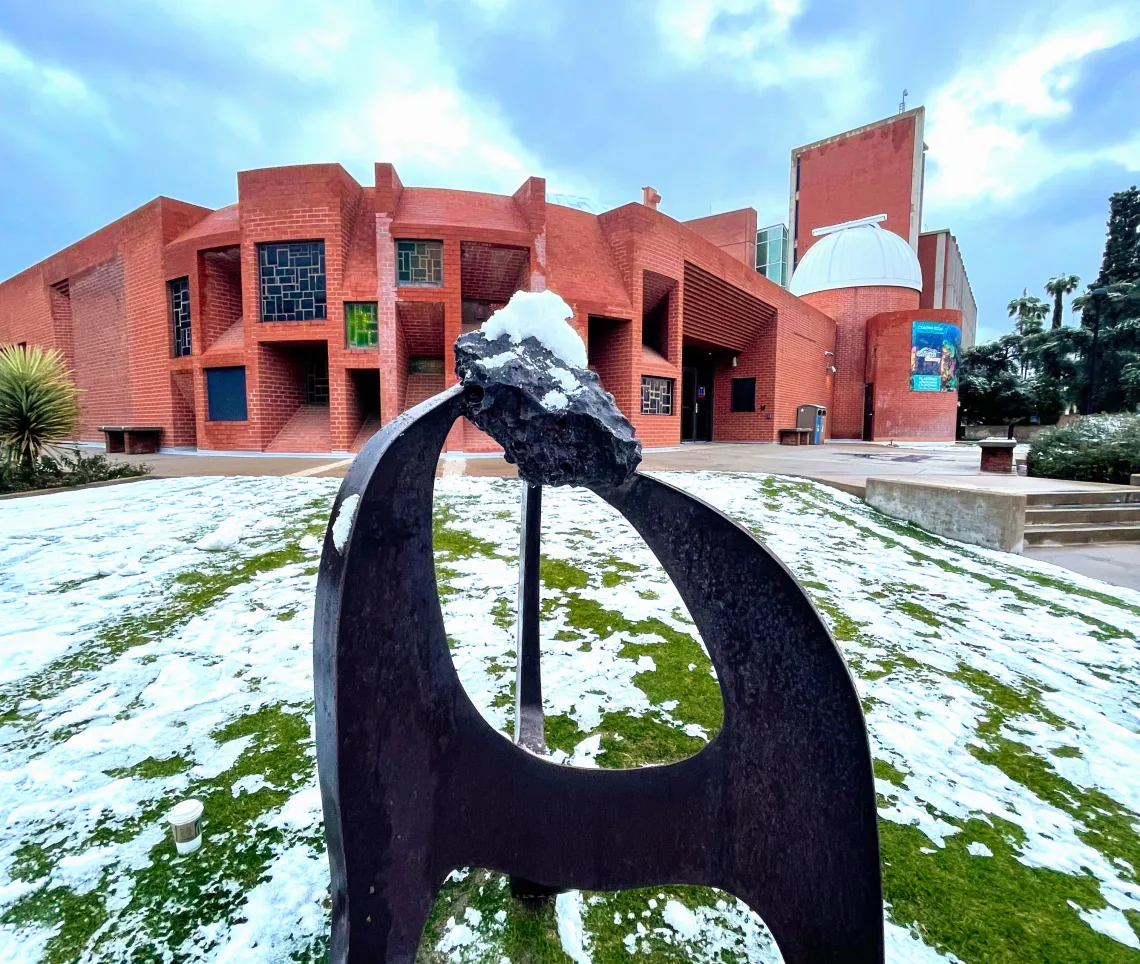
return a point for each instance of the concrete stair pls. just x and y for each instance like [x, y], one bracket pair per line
[307, 431]
[1069, 518]
[370, 427]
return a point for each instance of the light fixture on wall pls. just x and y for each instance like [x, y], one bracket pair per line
[735, 359]
[831, 369]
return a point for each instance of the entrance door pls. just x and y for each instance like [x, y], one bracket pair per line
[688, 404]
[869, 412]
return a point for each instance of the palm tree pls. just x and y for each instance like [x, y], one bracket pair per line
[1058, 287]
[1030, 312]
[39, 403]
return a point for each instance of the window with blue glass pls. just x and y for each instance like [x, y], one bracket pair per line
[419, 263]
[178, 296]
[225, 394]
[291, 275]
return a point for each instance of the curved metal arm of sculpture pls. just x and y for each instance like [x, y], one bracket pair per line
[778, 809]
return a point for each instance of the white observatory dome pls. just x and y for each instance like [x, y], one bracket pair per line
[856, 254]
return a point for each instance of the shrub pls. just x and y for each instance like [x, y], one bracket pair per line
[1097, 448]
[56, 472]
[39, 403]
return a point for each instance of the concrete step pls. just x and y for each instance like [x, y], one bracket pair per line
[1085, 497]
[306, 431]
[1093, 513]
[1076, 534]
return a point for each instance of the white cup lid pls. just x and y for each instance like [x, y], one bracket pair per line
[185, 812]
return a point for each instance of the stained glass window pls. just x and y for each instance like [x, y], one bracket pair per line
[656, 395]
[292, 279]
[419, 263]
[178, 293]
[360, 328]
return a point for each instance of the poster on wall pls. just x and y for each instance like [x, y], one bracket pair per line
[934, 349]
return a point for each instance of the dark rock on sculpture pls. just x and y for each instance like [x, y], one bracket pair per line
[554, 421]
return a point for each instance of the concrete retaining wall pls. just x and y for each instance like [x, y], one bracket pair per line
[983, 517]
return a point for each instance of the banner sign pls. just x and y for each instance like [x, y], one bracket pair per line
[934, 349]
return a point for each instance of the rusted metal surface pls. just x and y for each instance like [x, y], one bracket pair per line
[778, 809]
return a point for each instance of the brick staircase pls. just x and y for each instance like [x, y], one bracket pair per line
[1066, 518]
[306, 431]
[370, 427]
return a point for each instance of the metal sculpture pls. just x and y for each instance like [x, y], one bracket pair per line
[778, 809]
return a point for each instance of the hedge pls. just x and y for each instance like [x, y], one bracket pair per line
[1096, 448]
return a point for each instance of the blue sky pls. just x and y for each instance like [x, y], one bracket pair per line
[1032, 117]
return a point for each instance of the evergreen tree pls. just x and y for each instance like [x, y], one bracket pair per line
[1121, 262]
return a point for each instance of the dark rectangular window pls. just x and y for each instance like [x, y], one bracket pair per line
[225, 394]
[360, 327]
[317, 379]
[656, 395]
[292, 279]
[178, 296]
[744, 395]
[419, 263]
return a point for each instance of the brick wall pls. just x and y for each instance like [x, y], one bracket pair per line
[184, 426]
[220, 305]
[25, 315]
[99, 313]
[854, 175]
[280, 387]
[734, 232]
[850, 308]
[63, 331]
[902, 414]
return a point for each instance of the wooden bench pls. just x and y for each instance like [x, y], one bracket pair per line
[795, 436]
[132, 439]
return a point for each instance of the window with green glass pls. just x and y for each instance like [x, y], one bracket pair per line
[360, 324]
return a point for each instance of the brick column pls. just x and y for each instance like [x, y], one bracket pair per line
[538, 262]
[386, 336]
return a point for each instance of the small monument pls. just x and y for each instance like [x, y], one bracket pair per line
[778, 809]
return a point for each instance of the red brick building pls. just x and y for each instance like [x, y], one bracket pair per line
[315, 309]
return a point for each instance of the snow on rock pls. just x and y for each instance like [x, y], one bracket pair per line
[542, 315]
[555, 401]
[342, 525]
[979, 849]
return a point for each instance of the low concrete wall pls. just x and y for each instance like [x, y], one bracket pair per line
[983, 517]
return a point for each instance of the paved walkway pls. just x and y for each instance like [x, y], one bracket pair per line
[846, 465]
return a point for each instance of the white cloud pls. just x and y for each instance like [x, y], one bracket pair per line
[386, 92]
[761, 50]
[370, 85]
[986, 124]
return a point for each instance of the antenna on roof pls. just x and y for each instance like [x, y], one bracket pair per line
[902, 105]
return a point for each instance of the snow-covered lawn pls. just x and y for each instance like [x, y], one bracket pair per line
[155, 644]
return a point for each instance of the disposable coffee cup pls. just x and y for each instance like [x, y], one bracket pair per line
[186, 824]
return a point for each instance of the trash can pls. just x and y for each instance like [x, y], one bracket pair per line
[812, 417]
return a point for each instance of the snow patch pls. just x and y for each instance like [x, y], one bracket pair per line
[681, 919]
[225, 536]
[979, 849]
[544, 316]
[342, 525]
[571, 931]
